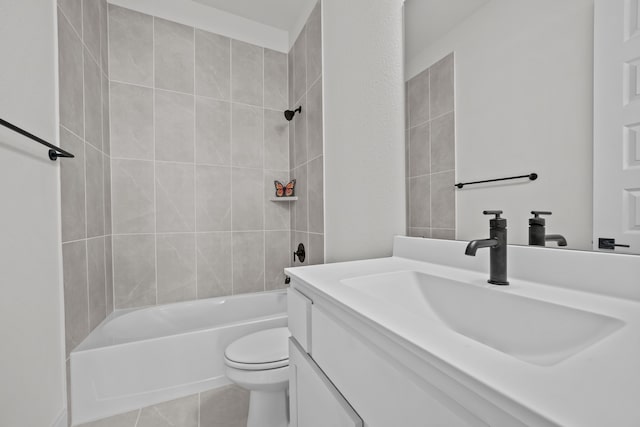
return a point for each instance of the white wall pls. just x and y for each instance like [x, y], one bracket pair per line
[32, 379]
[364, 121]
[298, 25]
[207, 18]
[524, 76]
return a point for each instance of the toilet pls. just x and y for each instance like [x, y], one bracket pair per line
[259, 362]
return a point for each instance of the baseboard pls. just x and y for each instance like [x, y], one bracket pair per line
[61, 421]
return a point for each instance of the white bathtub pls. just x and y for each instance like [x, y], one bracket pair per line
[141, 357]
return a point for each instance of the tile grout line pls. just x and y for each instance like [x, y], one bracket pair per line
[231, 157]
[155, 185]
[74, 28]
[71, 132]
[195, 188]
[293, 149]
[431, 119]
[173, 233]
[430, 174]
[80, 240]
[212, 98]
[430, 181]
[104, 157]
[455, 152]
[324, 187]
[113, 288]
[84, 140]
[408, 161]
[303, 120]
[264, 189]
[306, 120]
[219, 165]
[288, 159]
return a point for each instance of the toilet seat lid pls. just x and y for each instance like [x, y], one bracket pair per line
[260, 348]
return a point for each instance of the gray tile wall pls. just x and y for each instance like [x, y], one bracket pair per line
[306, 140]
[198, 137]
[85, 180]
[85, 183]
[179, 135]
[222, 407]
[430, 152]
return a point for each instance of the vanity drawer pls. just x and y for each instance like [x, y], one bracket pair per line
[382, 390]
[299, 307]
[314, 401]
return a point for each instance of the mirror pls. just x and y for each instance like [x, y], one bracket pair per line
[521, 77]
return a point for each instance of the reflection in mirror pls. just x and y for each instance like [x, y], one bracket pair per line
[499, 88]
[430, 139]
[616, 114]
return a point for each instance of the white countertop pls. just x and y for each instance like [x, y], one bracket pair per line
[599, 386]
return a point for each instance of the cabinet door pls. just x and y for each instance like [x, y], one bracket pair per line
[314, 401]
[299, 308]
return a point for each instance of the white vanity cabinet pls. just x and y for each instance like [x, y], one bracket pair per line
[383, 391]
[386, 394]
[313, 399]
[299, 313]
[354, 376]
[421, 339]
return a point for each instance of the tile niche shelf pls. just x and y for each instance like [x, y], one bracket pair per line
[284, 199]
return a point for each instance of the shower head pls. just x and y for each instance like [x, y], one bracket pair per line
[290, 113]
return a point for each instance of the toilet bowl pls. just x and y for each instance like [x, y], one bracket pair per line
[259, 362]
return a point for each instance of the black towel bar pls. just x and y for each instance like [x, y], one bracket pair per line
[54, 152]
[531, 176]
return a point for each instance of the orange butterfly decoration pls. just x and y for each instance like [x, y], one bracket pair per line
[285, 190]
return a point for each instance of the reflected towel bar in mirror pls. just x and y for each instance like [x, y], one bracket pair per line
[54, 152]
[531, 176]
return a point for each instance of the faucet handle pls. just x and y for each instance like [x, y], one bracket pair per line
[536, 214]
[496, 213]
[497, 222]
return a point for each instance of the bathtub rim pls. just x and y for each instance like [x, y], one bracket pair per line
[86, 345]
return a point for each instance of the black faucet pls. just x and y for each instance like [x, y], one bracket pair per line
[497, 242]
[537, 231]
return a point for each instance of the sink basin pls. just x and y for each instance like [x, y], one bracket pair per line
[534, 331]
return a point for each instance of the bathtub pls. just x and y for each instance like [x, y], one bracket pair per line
[140, 357]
